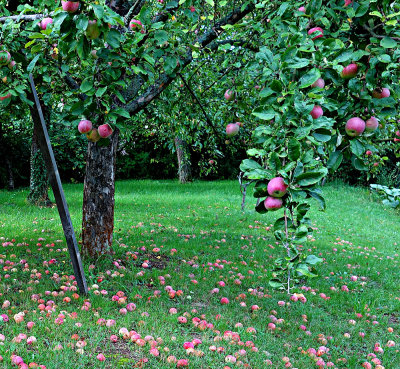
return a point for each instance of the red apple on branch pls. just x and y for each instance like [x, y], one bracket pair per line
[380, 93]
[350, 71]
[85, 126]
[355, 127]
[8, 96]
[316, 112]
[5, 57]
[135, 25]
[105, 130]
[272, 203]
[317, 32]
[276, 187]
[44, 23]
[371, 124]
[70, 6]
[229, 95]
[302, 9]
[320, 83]
[93, 135]
[232, 129]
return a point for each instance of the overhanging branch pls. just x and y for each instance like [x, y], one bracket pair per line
[164, 80]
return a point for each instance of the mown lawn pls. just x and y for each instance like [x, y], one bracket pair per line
[197, 247]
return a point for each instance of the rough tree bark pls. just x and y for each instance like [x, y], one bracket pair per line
[98, 198]
[39, 183]
[11, 184]
[184, 164]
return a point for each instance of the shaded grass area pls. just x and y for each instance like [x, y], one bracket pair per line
[194, 237]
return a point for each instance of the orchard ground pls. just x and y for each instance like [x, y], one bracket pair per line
[195, 239]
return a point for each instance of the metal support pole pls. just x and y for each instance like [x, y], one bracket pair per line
[55, 182]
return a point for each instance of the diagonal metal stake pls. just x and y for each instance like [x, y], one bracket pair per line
[55, 182]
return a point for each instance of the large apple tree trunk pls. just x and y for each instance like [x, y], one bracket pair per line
[184, 164]
[39, 182]
[98, 199]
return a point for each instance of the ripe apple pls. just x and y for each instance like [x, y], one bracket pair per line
[70, 6]
[92, 30]
[85, 126]
[397, 133]
[11, 64]
[355, 127]
[232, 129]
[348, 2]
[368, 153]
[302, 9]
[5, 57]
[93, 135]
[320, 83]
[229, 95]
[135, 25]
[380, 93]
[44, 22]
[211, 162]
[316, 112]
[272, 203]
[277, 187]
[371, 124]
[105, 130]
[4, 79]
[318, 31]
[8, 96]
[350, 71]
[192, 9]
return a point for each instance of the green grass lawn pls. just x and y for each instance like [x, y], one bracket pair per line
[197, 243]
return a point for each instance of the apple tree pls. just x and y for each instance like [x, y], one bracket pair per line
[330, 73]
[110, 60]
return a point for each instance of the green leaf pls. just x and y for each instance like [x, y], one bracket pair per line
[358, 164]
[357, 148]
[275, 283]
[298, 63]
[294, 149]
[334, 161]
[317, 196]
[309, 78]
[303, 270]
[260, 189]
[260, 208]
[32, 64]
[100, 92]
[311, 178]
[161, 36]
[121, 112]
[37, 35]
[322, 135]
[264, 113]
[82, 22]
[313, 260]
[82, 48]
[98, 11]
[388, 43]
[113, 38]
[59, 19]
[87, 84]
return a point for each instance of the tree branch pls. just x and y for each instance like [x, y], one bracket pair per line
[378, 36]
[164, 80]
[27, 17]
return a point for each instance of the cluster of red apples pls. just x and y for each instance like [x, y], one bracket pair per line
[277, 189]
[94, 134]
[232, 129]
[5, 59]
[355, 126]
